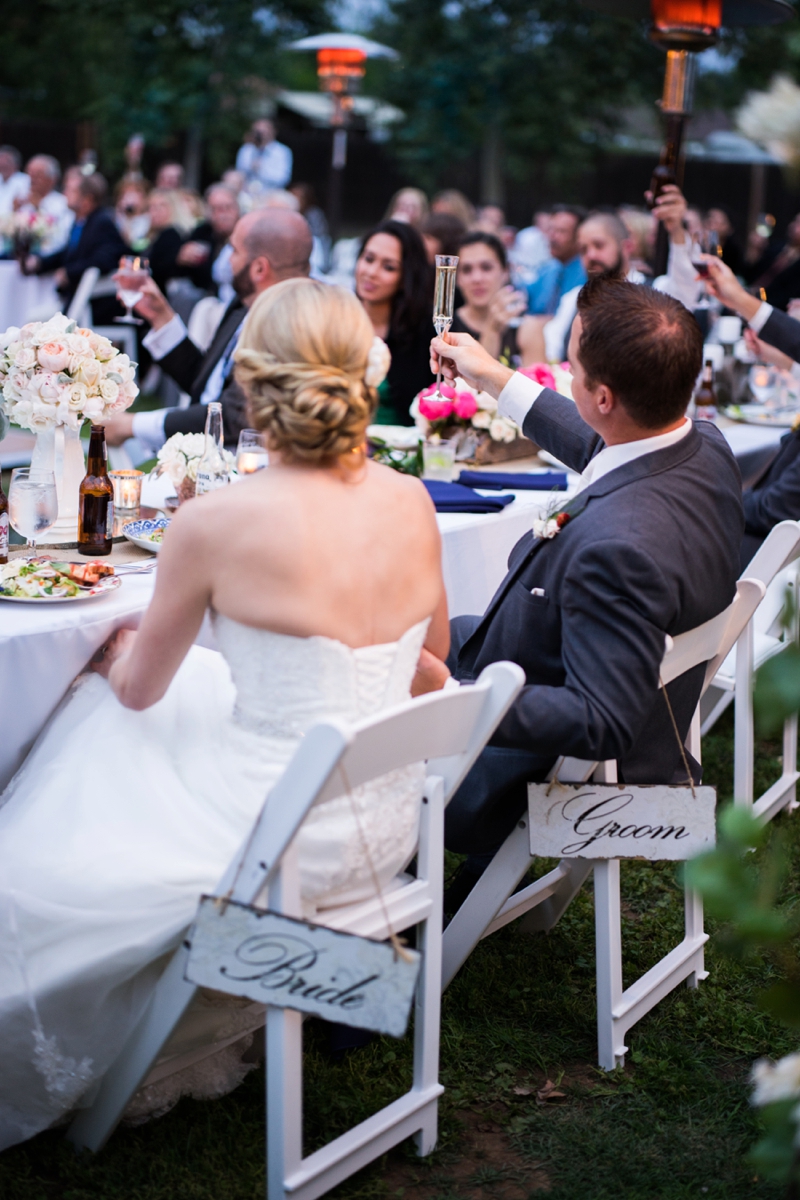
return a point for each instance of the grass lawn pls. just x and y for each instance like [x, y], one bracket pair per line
[674, 1124]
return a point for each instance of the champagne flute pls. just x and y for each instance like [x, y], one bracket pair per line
[32, 502]
[251, 452]
[444, 294]
[133, 270]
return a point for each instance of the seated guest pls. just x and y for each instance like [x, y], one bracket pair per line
[718, 221]
[772, 493]
[395, 284]
[168, 227]
[454, 202]
[409, 204]
[442, 234]
[209, 240]
[489, 300]
[268, 246]
[94, 241]
[14, 183]
[605, 245]
[170, 176]
[563, 271]
[586, 612]
[777, 271]
[44, 197]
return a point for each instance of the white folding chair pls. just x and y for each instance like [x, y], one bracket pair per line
[493, 902]
[448, 730]
[775, 564]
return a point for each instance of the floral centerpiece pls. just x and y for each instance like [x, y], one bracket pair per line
[471, 418]
[179, 458]
[24, 232]
[55, 375]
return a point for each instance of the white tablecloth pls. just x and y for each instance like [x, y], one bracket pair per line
[25, 297]
[42, 649]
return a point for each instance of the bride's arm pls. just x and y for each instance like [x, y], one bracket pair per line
[140, 667]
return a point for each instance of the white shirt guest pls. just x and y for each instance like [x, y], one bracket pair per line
[14, 183]
[44, 175]
[265, 160]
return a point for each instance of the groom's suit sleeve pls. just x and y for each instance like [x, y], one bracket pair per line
[614, 606]
[782, 332]
[554, 423]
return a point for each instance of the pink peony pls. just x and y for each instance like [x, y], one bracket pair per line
[540, 373]
[53, 356]
[465, 405]
[436, 410]
[446, 390]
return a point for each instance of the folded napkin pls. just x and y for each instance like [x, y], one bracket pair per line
[547, 481]
[453, 498]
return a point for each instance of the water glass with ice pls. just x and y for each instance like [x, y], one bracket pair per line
[32, 502]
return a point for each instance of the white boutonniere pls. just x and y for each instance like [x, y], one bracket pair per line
[552, 523]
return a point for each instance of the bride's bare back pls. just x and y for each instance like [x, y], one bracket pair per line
[322, 542]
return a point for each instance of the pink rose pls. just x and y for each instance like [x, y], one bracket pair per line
[436, 410]
[446, 390]
[541, 373]
[53, 356]
[465, 405]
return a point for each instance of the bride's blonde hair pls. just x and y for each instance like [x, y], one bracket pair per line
[301, 361]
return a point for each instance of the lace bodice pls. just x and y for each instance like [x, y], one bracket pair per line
[286, 684]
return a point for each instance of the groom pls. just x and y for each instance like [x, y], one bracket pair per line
[649, 546]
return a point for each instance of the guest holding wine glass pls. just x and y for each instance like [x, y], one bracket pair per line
[490, 302]
[394, 282]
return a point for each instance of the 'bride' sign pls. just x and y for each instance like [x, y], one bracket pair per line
[289, 963]
[591, 820]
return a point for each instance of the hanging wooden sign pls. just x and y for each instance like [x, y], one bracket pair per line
[594, 820]
[288, 963]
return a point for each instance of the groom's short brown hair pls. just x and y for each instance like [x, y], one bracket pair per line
[643, 345]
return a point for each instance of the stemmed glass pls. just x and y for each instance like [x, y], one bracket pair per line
[444, 294]
[32, 502]
[132, 272]
[707, 243]
[251, 452]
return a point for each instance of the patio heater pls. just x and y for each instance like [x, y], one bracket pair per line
[341, 65]
[683, 28]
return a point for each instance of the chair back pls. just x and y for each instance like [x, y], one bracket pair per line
[448, 729]
[80, 301]
[779, 548]
[710, 642]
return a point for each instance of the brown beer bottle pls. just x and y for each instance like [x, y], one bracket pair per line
[3, 525]
[96, 499]
[705, 398]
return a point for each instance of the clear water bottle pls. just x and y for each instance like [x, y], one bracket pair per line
[212, 470]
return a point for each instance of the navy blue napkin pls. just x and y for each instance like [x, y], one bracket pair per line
[453, 498]
[547, 481]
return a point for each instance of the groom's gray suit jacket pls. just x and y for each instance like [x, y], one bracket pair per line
[651, 548]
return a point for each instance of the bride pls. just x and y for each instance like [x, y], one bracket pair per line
[323, 578]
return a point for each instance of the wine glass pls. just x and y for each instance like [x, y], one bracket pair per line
[251, 452]
[133, 270]
[707, 243]
[444, 294]
[32, 502]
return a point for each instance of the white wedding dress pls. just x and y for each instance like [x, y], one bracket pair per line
[119, 820]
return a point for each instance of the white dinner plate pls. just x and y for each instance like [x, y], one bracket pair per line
[758, 414]
[139, 532]
[108, 584]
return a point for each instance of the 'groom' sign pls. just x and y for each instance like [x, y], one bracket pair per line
[289, 963]
[591, 820]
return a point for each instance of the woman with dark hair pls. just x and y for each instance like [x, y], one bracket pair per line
[395, 284]
[490, 303]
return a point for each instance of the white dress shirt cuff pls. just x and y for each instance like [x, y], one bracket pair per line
[160, 341]
[794, 371]
[148, 428]
[762, 315]
[517, 398]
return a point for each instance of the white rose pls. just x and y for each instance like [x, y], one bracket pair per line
[776, 1081]
[25, 358]
[77, 396]
[93, 408]
[485, 402]
[104, 350]
[482, 419]
[109, 390]
[89, 372]
[497, 430]
[22, 413]
[10, 335]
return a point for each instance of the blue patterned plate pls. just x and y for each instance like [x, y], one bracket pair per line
[146, 534]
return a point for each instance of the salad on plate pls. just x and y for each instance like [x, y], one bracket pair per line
[43, 579]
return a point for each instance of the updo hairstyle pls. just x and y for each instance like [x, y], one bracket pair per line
[301, 361]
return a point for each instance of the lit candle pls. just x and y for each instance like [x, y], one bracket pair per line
[127, 486]
[250, 461]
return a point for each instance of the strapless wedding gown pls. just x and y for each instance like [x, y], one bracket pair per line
[119, 820]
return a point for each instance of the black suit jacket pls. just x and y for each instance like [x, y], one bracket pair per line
[190, 369]
[99, 245]
[652, 548]
[775, 496]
